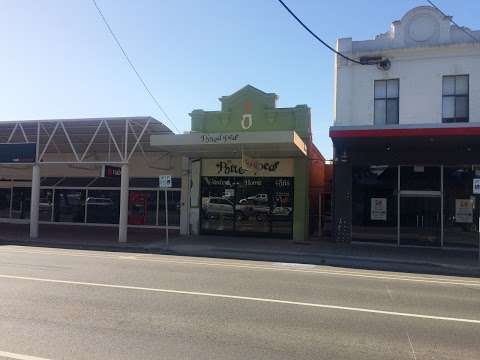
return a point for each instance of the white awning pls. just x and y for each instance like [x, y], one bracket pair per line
[263, 144]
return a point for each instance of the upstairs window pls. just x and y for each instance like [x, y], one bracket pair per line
[386, 101]
[455, 101]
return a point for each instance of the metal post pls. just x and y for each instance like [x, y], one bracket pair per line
[123, 220]
[35, 201]
[398, 205]
[166, 218]
[441, 208]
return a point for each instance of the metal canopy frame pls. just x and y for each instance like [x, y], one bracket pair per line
[96, 141]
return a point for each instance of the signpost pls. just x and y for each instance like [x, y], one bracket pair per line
[165, 181]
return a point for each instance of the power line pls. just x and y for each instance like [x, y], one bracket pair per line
[133, 66]
[453, 21]
[318, 38]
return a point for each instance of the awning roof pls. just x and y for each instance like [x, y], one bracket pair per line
[81, 132]
[262, 143]
[93, 140]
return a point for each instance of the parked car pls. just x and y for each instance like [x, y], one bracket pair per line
[281, 211]
[216, 206]
[247, 208]
[259, 197]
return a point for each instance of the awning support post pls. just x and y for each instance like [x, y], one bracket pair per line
[35, 201]
[123, 221]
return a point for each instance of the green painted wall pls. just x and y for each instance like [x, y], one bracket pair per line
[265, 117]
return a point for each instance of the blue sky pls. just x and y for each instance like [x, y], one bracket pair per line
[58, 61]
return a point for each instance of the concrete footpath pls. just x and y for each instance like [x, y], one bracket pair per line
[367, 256]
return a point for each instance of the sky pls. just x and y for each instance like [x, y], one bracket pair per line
[59, 61]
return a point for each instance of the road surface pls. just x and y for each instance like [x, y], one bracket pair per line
[72, 304]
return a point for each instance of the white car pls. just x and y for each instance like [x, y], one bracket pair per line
[259, 197]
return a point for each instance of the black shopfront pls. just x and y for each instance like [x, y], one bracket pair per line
[244, 204]
[408, 190]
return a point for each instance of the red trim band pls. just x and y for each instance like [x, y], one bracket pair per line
[421, 132]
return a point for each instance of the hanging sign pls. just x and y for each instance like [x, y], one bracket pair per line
[111, 171]
[165, 181]
[378, 209]
[476, 186]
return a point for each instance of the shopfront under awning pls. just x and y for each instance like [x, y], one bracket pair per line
[211, 145]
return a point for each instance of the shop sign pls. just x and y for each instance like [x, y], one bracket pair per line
[165, 181]
[219, 138]
[260, 167]
[476, 186]
[463, 210]
[378, 209]
[111, 171]
[18, 153]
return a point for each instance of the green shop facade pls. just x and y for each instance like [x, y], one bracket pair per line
[248, 167]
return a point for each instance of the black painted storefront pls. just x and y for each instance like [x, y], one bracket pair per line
[407, 190]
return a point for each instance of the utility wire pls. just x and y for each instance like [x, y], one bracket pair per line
[453, 22]
[318, 38]
[133, 66]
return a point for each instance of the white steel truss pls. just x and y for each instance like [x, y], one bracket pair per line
[84, 141]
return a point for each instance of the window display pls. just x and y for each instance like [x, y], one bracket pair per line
[5, 203]
[254, 205]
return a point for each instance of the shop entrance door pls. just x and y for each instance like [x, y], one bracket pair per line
[420, 219]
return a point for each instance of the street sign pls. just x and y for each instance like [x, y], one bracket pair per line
[18, 153]
[476, 186]
[165, 181]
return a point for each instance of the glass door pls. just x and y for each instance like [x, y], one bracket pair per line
[420, 220]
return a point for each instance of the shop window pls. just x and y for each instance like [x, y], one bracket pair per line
[173, 206]
[282, 206]
[249, 205]
[46, 205]
[386, 102]
[252, 205]
[69, 206]
[217, 203]
[113, 182]
[75, 181]
[5, 195]
[142, 208]
[103, 206]
[374, 204]
[455, 99]
[421, 178]
[49, 181]
[461, 207]
[21, 203]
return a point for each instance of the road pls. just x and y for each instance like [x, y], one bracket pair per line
[72, 304]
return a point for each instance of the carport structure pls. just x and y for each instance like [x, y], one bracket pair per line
[66, 146]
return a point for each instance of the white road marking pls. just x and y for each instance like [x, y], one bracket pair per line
[247, 298]
[164, 259]
[9, 355]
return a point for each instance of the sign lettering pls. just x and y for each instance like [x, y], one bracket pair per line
[219, 138]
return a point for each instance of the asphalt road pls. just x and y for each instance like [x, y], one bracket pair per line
[69, 304]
